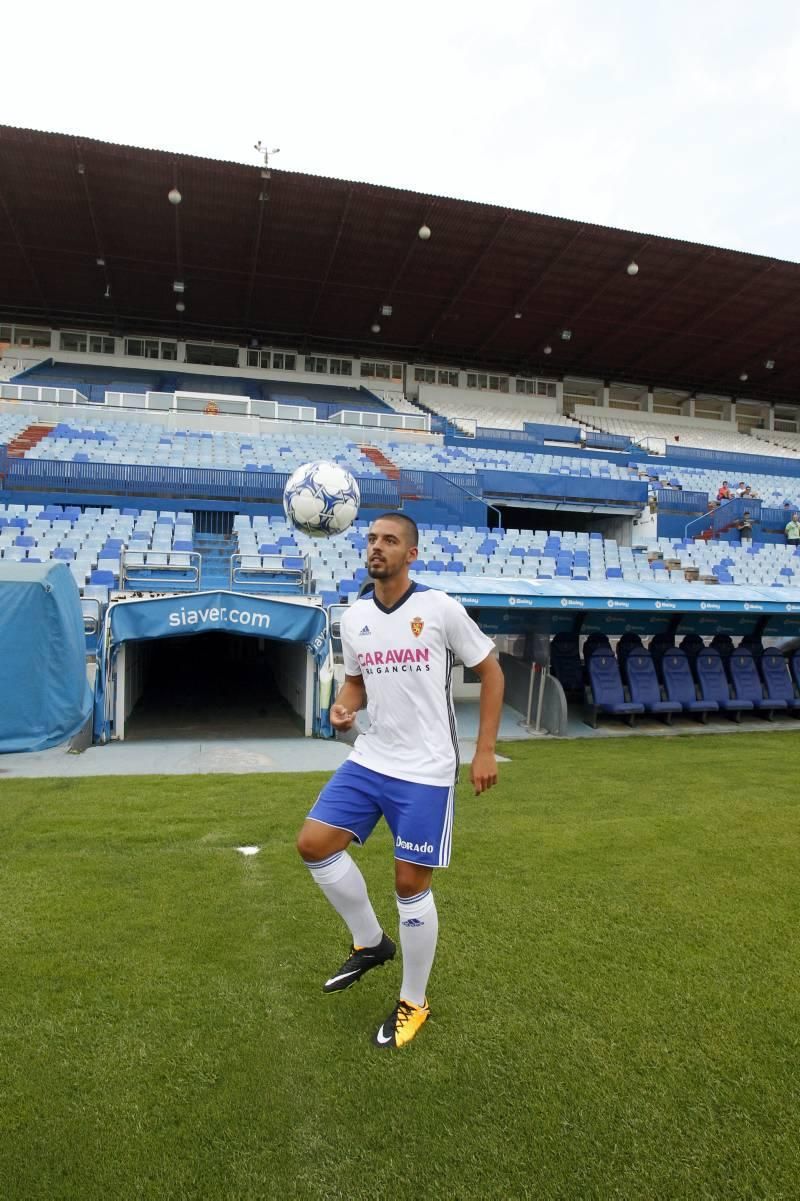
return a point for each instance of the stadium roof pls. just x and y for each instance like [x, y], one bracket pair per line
[307, 263]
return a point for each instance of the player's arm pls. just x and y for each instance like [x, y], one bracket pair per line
[483, 769]
[352, 696]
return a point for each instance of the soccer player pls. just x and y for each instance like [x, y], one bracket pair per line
[400, 640]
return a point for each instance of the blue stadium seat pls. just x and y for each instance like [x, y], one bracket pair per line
[679, 684]
[593, 643]
[659, 644]
[794, 663]
[606, 694]
[106, 578]
[777, 680]
[753, 643]
[565, 663]
[628, 644]
[714, 684]
[748, 686]
[692, 645]
[724, 644]
[644, 687]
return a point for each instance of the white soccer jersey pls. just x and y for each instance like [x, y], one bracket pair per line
[405, 655]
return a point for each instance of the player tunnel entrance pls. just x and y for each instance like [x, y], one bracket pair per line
[212, 685]
[218, 665]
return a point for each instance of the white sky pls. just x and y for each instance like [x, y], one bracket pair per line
[675, 117]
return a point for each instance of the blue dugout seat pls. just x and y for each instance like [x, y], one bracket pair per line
[748, 686]
[714, 685]
[565, 663]
[777, 679]
[679, 684]
[644, 688]
[605, 693]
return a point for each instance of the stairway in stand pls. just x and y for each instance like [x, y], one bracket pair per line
[389, 469]
[215, 552]
[18, 447]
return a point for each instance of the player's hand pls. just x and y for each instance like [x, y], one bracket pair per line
[483, 771]
[341, 718]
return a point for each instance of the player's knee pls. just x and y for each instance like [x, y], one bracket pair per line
[411, 878]
[315, 841]
[308, 845]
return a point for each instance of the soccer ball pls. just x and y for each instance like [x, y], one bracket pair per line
[321, 499]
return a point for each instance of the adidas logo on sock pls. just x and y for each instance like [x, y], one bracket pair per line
[365, 630]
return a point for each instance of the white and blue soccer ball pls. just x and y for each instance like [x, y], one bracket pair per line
[321, 499]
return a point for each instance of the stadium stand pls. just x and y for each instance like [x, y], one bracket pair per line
[85, 536]
[94, 382]
[483, 413]
[682, 431]
[772, 490]
[787, 443]
[156, 445]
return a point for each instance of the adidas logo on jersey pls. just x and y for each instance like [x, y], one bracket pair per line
[365, 630]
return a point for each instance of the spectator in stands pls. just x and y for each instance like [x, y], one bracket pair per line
[787, 504]
[741, 488]
[724, 492]
[792, 530]
[745, 528]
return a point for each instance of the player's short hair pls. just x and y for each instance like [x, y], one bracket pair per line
[412, 531]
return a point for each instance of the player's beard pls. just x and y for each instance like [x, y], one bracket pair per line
[379, 571]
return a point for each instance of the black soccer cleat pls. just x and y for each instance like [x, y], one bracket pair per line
[359, 963]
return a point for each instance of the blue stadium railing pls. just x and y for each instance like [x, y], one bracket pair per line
[453, 493]
[202, 483]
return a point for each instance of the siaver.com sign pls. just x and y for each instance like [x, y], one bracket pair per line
[165, 617]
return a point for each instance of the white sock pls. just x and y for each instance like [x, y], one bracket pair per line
[345, 887]
[419, 928]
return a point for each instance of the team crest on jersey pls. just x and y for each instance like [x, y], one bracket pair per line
[417, 625]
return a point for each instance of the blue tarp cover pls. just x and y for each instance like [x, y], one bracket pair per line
[44, 693]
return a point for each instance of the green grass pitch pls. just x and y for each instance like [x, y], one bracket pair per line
[615, 1000]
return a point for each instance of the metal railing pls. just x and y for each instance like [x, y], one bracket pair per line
[268, 573]
[366, 418]
[723, 518]
[199, 483]
[44, 395]
[473, 496]
[536, 688]
[92, 612]
[160, 571]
